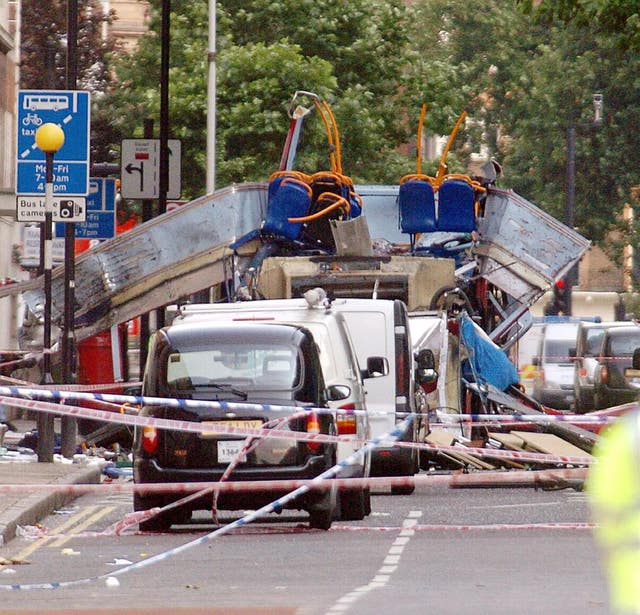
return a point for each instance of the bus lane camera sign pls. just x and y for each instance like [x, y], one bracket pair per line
[69, 109]
[65, 208]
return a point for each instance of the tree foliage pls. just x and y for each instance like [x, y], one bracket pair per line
[525, 83]
[265, 52]
[619, 20]
[43, 51]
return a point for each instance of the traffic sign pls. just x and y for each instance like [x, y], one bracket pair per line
[100, 221]
[65, 208]
[30, 256]
[69, 109]
[140, 169]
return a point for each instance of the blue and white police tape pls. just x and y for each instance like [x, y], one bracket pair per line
[62, 395]
[204, 430]
[274, 506]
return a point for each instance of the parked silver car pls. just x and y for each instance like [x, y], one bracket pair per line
[588, 343]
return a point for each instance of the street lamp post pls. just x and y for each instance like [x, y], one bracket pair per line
[570, 181]
[49, 138]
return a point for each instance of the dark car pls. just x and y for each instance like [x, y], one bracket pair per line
[588, 343]
[616, 352]
[255, 362]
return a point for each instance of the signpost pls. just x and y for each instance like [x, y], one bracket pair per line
[48, 122]
[140, 169]
[100, 222]
[70, 110]
[65, 209]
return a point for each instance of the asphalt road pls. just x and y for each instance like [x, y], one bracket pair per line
[437, 551]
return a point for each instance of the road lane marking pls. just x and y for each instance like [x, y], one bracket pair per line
[389, 566]
[82, 526]
[41, 542]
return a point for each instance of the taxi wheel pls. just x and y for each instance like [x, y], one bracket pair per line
[159, 523]
[352, 504]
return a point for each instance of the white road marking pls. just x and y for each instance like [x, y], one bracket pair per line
[389, 566]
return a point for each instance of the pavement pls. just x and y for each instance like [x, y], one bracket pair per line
[18, 466]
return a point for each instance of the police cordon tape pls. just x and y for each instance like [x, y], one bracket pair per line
[552, 479]
[204, 430]
[62, 395]
[275, 506]
[101, 386]
[534, 478]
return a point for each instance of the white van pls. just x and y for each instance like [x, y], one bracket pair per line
[553, 385]
[523, 353]
[380, 327]
[339, 363]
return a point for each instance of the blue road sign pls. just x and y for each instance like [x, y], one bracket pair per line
[100, 222]
[69, 109]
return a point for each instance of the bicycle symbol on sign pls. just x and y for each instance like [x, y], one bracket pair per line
[32, 118]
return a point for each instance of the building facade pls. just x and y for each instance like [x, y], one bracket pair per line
[9, 228]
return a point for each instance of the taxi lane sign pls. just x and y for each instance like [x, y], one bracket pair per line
[65, 209]
[69, 109]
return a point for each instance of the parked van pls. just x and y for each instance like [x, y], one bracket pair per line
[380, 327]
[340, 367]
[553, 385]
[523, 353]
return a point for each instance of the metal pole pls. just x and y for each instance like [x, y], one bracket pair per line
[570, 206]
[45, 420]
[211, 101]
[147, 214]
[164, 121]
[68, 426]
[570, 203]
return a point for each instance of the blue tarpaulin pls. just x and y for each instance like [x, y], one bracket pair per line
[490, 364]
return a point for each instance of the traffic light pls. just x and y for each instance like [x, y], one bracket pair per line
[560, 304]
[562, 297]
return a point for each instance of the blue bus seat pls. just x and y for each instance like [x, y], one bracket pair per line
[416, 208]
[456, 206]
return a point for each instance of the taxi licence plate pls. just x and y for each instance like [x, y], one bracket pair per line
[228, 451]
[209, 430]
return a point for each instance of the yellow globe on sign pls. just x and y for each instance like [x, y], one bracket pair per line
[49, 137]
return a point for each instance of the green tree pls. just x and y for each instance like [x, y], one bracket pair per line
[352, 55]
[525, 83]
[43, 56]
[617, 19]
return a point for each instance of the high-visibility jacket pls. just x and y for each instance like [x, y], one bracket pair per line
[614, 488]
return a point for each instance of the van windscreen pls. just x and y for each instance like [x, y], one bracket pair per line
[557, 351]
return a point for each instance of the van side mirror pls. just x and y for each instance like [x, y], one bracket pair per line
[572, 353]
[635, 362]
[535, 361]
[338, 392]
[376, 367]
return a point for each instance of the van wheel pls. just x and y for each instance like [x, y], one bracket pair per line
[322, 514]
[402, 489]
[352, 504]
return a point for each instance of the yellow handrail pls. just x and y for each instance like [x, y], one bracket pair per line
[423, 112]
[442, 167]
[340, 202]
